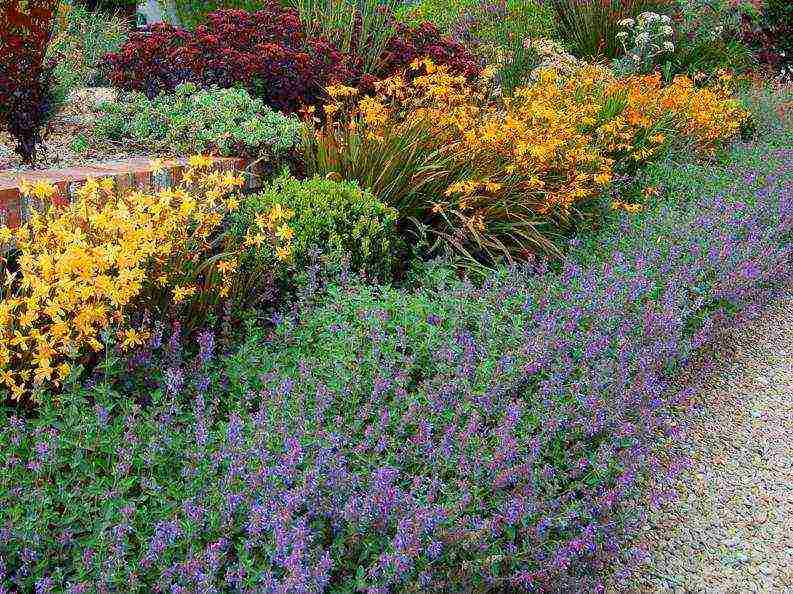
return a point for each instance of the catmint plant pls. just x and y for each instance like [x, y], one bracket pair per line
[503, 436]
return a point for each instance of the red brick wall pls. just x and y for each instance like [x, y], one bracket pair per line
[129, 173]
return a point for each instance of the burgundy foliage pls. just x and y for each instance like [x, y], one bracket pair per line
[26, 95]
[772, 43]
[268, 53]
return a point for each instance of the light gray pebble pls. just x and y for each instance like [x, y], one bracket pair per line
[731, 530]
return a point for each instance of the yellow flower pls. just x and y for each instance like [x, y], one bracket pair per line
[341, 91]
[650, 191]
[63, 371]
[492, 187]
[107, 184]
[80, 266]
[187, 207]
[200, 161]
[7, 378]
[285, 233]
[279, 213]
[181, 293]
[602, 178]
[255, 240]
[489, 72]
[43, 373]
[40, 189]
[131, 338]
[283, 253]
[627, 207]
[226, 266]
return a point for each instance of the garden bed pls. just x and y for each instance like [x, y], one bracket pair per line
[410, 312]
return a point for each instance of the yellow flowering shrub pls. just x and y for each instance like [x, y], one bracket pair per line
[503, 175]
[82, 270]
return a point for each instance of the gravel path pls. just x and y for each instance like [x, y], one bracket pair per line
[731, 531]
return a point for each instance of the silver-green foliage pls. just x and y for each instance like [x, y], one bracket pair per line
[225, 122]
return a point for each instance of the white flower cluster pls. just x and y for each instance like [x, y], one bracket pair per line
[645, 38]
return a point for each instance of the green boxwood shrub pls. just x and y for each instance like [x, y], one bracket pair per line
[224, 122]
[337, 218]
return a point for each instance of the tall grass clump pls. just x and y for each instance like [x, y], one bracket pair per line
[590, 27]
[81, 43]
[192, 13]
[361, 29]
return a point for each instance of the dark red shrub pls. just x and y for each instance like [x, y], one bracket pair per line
[145, 62]
[27, 98]
[771, 42]
[425, 40]
[770, 37]
[265, 52]
[411, 43]
[268, 53]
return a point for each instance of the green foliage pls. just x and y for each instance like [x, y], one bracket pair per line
[106, 6]
[486, 21]
[709, 55]
[192, 13]
[499, 31]
[708, 37]
[337, 218]
[82, 43]
[444, 14]
[225, 122]
[403, 168]
[448, 402]
[531, 18]
[504, 23]
[496, 30]
[516, 69]
[688, 181]
[779, 12]
[771, 113]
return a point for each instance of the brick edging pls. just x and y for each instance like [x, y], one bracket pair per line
[137, 173]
